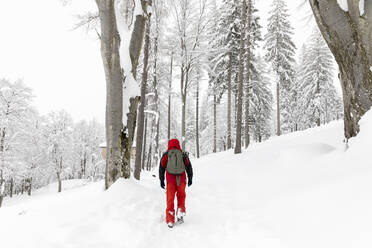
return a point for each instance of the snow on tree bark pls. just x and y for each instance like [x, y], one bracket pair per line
[119, 138]
[141, 114]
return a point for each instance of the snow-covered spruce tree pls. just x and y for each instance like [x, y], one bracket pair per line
[317, 88]
[253, 36]
[225, 44]
[280, 53]
[297, 103]
[260, 100]
[348, 35]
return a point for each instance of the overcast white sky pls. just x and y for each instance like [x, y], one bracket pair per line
[64, 67]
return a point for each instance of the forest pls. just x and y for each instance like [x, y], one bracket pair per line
[230, 80]
[204, 71]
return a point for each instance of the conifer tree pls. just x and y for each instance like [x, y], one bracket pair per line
[280, 53]
[317, 88]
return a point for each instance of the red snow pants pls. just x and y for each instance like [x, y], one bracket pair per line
[172, 190]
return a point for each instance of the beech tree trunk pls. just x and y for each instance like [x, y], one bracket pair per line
[229, 102]
[184, 85]
[110, 42]
[143, 161]
[141, 114]
[348, 35]
[169, 97]
[197, 116]
[157, 102]
[118, 138]
[238, 141]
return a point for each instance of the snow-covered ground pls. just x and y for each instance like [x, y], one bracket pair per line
[299, 190]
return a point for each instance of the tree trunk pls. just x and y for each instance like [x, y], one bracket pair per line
[278, 108]
[29, 186]
[246, 133]
[169, 97]
[59, 183]
[141, 114]
[127, 135]
[183, 111]
[229, 102]
[2, 188]
[157, 103]
[149, 157]
[11, 187]
[348, 35]
[214, 122]
[197, 115]
[110, 42]
[238, 141]
[143, 162]
[118, 138]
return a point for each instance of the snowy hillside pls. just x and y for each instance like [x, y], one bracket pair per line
[298, 190]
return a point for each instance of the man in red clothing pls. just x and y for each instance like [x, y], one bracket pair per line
[176, 183]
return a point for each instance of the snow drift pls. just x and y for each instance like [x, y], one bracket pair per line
[298, 190]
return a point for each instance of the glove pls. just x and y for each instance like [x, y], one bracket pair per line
[189, 182]
[162, 184]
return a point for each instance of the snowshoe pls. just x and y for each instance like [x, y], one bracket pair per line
[180, 220]
[170, 225]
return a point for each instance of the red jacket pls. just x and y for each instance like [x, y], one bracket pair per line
[173, 144]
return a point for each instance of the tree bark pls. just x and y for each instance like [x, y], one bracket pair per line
[278, 108]
[11, 187]
[127, 135]
[59, 183]
[184, 85]
[246, 133]
[29, 186]
[110, 42]
[169, 97]
[2, 181]
[141, 114]
[229, 102]
[183, 111]
[238, 141]
[197, 116]
[118, 138]
[214, 122]
[348, 35]
[144, 146]
[157, 103]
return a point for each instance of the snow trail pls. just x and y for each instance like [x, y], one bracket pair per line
[297, 190]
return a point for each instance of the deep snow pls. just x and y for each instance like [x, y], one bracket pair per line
[297, 190]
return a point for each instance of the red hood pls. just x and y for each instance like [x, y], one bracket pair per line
[174, 144]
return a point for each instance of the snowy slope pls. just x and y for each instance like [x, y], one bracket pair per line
[298, 190]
